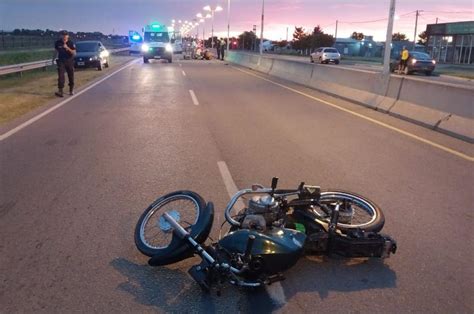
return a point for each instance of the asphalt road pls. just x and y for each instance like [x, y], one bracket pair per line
[373, 67]
[74, 183]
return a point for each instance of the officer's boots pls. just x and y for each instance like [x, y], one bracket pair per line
[71, 91]
[59, 93]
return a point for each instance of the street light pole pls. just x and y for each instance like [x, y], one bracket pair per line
[212, 29]
[388, 40]
[261, 29]
[213, 11]
[228, 24]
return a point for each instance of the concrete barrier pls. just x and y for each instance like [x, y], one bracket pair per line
[265, 66]
[444, 107]
[291, 70]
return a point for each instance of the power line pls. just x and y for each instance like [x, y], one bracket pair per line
[377, 20]
[451, 12]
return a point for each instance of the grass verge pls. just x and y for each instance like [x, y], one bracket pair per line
[19, 95]
[15, 57]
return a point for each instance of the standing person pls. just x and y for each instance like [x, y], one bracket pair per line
[223, 44]
[218, 47]
[65, 51]
[404, 59]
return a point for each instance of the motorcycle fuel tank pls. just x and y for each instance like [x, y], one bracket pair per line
[273, 251]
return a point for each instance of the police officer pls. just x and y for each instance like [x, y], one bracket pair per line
[223, 47]
[218, 47]
[65, 50]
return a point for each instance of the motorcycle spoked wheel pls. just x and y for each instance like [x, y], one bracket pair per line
[153, 234]
[366, 215]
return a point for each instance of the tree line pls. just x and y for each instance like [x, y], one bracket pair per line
[53, 33]
[303, 40]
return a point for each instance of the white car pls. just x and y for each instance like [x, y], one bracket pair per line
[325, 55]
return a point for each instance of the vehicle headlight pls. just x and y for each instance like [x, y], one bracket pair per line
[433, 61]
[104, 53]
[169, 48]
[145, 47]
[413, 61]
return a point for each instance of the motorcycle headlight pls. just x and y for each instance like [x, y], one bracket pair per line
[169, 48]
[433, 61]
[104, 53]
[145, 47]
[413, 61]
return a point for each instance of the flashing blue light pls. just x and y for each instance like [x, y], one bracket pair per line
[136, 37]
[155, 26]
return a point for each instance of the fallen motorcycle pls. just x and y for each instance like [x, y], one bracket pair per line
[266, 237]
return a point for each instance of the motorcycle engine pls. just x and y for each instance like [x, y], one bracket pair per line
[262, 211]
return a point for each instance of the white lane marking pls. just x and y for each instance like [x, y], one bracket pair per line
[380, 123]
[275, 290]
[193, 97]
[229, 183]
[6, 135]
[184, 73]
[180, 64]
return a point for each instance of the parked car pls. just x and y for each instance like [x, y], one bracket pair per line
[91, 54]
[325, 55]
[417, 62]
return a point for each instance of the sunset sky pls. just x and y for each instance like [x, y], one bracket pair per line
[119, 16]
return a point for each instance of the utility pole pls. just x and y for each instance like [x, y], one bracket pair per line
[287, 34]
[388, 40]
[436, 20]
[416, 26]
[261, 29]
[335, 34]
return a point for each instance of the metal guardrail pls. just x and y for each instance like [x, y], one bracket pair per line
[22, 67]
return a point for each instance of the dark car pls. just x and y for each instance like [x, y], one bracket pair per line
[91, 54]
[417, 62]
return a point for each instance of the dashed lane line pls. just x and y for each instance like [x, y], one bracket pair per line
[193, 97]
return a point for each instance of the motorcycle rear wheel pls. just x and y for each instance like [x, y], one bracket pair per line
[153, 234]
[366, 214]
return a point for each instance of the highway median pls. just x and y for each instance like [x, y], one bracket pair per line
[444, 107]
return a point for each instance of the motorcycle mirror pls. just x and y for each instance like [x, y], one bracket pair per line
[274, 183]
[300, 187]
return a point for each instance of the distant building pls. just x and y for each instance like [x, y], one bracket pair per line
[366, 47]
[451, 42]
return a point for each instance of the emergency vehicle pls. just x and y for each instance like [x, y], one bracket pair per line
[157, 43]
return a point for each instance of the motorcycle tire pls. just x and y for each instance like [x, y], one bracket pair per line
[174, 243]
[374, 225]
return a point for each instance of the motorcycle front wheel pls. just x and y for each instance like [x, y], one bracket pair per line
[153, 234]
[358, 211]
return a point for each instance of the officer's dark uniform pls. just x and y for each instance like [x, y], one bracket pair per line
[218, 47]
[65, 63]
